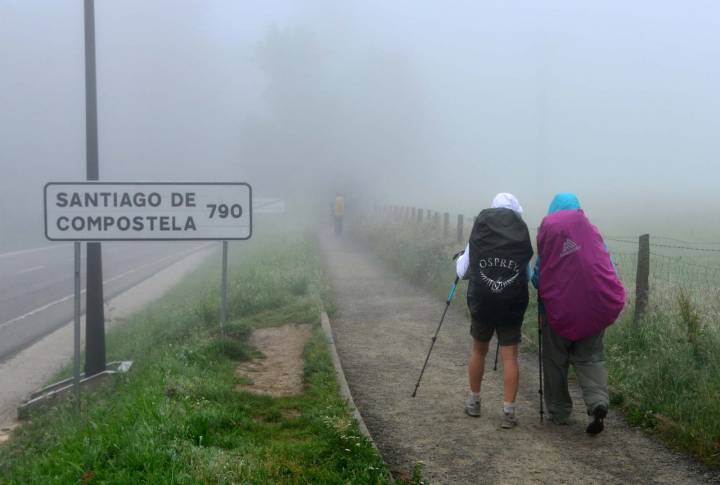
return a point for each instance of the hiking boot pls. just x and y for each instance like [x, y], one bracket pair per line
[472, 407]
[597, 425]
[509, 421]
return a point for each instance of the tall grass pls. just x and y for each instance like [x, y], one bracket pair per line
[665, 371]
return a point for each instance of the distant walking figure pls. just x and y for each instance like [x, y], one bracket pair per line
[496, 262]
[339, 213]
[580, 295]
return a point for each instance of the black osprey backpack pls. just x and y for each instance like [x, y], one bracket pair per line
[500, 251]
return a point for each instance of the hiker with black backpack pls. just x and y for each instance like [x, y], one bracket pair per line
[496, 262]
[579, 295]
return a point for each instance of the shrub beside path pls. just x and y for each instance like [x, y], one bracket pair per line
[382, 331]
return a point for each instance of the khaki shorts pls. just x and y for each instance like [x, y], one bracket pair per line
[507, 334]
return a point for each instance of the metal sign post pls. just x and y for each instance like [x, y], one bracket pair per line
[76, 367]
[94, 309]
[223, 288]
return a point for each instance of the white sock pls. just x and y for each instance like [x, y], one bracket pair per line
[509, 407]
[475, 396]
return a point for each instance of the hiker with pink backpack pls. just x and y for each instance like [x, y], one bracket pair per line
[579, 296]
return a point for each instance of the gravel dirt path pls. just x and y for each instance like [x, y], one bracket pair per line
[382, 331]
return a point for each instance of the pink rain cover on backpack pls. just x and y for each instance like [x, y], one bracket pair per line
[581, 292]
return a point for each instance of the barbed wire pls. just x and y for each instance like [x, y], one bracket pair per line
[686, 248]
[666, 246]
[634, 238]
[622, 238]
[615, 239]
[682, 241]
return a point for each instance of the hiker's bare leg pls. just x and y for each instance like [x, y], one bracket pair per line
[511, 371]
[476, 367]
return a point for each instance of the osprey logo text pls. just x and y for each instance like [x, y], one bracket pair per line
[569, 247]
[497, 286]
[495, 265]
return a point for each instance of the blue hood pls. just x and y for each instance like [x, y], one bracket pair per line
[564, 201]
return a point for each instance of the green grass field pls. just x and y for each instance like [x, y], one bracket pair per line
[664, 371]
[176, 416]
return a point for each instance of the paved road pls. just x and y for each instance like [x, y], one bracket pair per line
[36, 284]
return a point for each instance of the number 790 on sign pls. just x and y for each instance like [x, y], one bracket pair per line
[223, 211]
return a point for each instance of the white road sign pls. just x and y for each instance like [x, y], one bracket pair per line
[127, 211]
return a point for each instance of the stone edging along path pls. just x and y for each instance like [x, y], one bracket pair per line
[340, 377]
[382, 332]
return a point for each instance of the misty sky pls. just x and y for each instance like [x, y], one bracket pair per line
[441, 104]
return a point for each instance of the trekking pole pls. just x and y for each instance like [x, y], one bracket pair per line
[497, 349]
[432, 344]
[540, 367]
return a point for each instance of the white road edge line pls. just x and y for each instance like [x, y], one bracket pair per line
[34, 268]
[33, 250]
[114, 278]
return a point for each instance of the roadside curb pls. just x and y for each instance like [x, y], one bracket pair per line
[340, 377]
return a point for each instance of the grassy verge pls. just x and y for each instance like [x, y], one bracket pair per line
[664, 372]
[668, 381]
[177, 417]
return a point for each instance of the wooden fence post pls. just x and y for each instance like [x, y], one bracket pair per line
[460, 229]
[446, 224]
[642, 281]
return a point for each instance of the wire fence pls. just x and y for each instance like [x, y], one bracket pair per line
[675, 264]
[685, 266]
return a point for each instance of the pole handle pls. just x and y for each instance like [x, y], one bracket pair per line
[451, 295]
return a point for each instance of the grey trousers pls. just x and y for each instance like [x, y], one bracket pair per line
[588, 359]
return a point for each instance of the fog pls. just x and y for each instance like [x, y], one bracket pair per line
[427, 104]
